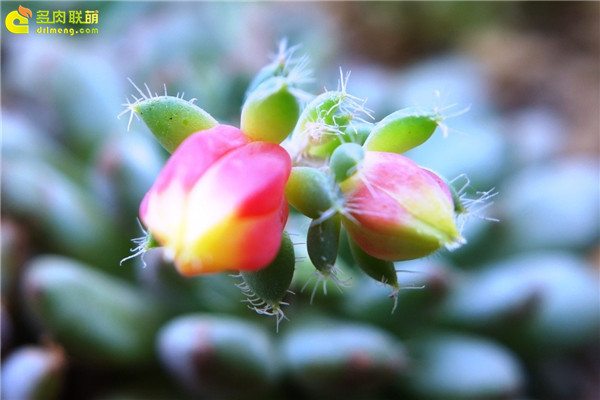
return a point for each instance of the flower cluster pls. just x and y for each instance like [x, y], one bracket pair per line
[221, 201]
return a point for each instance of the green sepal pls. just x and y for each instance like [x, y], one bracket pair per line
[402, 130]
[345, 160]
[172, 119]
[310, 191]
[322, 243]
[270, 112]
[150, 242]
[459, 207]
[380, 270]
[271, 70]
[271, 283]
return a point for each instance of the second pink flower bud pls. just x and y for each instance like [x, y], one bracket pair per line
[396, 210]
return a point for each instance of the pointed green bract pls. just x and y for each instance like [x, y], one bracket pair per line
[270, 112]
[322, 243]
[345, 160]
[459, 207]
[285, 65]
[172, 119]
[150, 241]
[380, 270]
[269, 71]
[402, 130]
[310, 191]
[266, 287]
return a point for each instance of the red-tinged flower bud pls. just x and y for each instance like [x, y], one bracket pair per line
[396, 210]
[218, 203]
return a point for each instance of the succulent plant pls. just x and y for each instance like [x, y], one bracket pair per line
[354, 229]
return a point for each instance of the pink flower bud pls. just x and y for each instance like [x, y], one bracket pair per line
[396, 210]
[218, 203]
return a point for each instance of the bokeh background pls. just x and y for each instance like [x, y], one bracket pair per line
[514, 314]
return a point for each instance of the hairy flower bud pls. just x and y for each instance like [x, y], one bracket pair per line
[396, 210]
[218, 203]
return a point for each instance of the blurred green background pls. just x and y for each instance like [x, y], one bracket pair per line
[514, 314]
